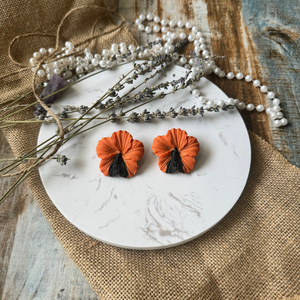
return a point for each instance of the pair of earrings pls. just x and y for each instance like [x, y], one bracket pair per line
[120, 153]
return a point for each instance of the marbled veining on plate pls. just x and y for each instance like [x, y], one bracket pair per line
[151, 210]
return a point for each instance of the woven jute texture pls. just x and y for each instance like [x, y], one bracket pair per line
[253, 253]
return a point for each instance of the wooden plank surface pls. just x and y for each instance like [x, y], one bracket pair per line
[257, 37]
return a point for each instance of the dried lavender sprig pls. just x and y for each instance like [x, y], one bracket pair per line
[142, 72]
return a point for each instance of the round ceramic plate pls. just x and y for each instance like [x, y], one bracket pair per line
[151, 210]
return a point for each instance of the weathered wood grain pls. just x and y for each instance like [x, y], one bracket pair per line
[257, 37]
[275, 31]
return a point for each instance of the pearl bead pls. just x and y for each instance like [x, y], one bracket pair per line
[171, 48]
[283, 121]
[222, 74]
[248, 78]
[57, 71]
[230, 101]
[123, 50]
[70, 45]
[40, 73]
[279, 115]
[196, 43]
[204, 53]
[109, 64]
[122, 45]
[43, 51]
[49, 76]
[183, 60]
[188, 25]
[138, 22]
[170, 41]
[87, 50]
[263, 88]
[102, 63]
[230, 75]
[141, 55]
[256, 82]
[191, 37]
[172, 23]
[70, 81]
[180, 24]
[95, 62]
[269, 110]
[197, 49]
[141, 27]
[51, 50]
[164, 29]
[276, 101]
[276, 108]
[156, 28]
[202, 40]
[196, 92]
[241, 105]
[149, 17]
[148, 29]
[156, 19]
[202, 99]
[210, 103]
[202, 46]
[147, 52]
[187, 66]
[32, 61]
[221, 102]
[78, 70]
[165, 37]
[173, 35]
[67, 74]
[198, 35]
[191, 61]
[239, 76]
[142, 17]
[105, 52]
[89, 56]
[260, 108]
[194, 29]
[277, 123]
[273, 115]
[182, 35]
[131, 47]
[236, 101]
[270, 95]
[164, 22]
[217, 71]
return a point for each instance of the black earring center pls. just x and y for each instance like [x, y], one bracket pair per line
[118, 166]
[175, 162]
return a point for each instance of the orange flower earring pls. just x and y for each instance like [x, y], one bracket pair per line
[176, 151]
[119, 154]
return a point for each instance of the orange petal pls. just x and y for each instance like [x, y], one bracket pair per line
[161, 145]
[105, 147]
[192, 147]
[136, 151]
[105, 164]
[177, 137]
[132, 167]
[188, 163]
[122, 140]
[163, 159]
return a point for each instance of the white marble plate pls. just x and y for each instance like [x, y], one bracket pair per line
[151, 210]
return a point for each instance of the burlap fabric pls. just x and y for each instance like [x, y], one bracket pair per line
[253, 253]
